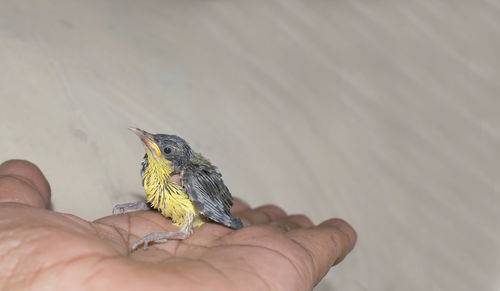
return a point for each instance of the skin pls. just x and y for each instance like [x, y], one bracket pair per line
[42, 249]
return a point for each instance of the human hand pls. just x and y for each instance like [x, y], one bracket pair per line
[44, 249]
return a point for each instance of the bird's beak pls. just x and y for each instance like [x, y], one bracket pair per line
[148, 140]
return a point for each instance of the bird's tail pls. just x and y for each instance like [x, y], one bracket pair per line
[235, 223]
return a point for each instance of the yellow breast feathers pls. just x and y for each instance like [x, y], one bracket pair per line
[167, 197]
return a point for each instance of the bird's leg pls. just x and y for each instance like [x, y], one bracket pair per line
[139, 205]
[162, 237]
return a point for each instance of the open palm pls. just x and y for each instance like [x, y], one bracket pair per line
[43, 249]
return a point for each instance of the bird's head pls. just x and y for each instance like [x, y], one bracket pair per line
[161, 147]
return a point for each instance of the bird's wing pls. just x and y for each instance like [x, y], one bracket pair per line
[209, 194]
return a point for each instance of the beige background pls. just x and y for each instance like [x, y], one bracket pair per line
[385, 113]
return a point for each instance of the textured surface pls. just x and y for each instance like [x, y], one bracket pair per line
[385, 113]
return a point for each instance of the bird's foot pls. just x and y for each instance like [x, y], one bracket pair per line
[122, 208]
[159, 237]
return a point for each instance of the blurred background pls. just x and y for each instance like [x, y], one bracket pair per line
[384, 113]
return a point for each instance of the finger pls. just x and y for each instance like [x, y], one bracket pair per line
[262, 214]
[288, 223]
[23, 182]
[349, 236]
[327, 244]
[239, 205]
[299, 220]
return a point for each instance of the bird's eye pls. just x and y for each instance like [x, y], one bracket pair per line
[167, 150]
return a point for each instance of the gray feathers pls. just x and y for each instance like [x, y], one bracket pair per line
[144, 166]
[208, 192]
[175, 149]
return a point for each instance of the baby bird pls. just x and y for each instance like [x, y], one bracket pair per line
[199, 197]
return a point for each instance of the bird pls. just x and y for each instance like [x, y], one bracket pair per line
[198, 196]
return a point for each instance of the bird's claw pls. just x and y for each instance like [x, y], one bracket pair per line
[122, 208]
[145, 241]
[159, 237]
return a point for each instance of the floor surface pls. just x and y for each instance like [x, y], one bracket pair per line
[384, 113]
